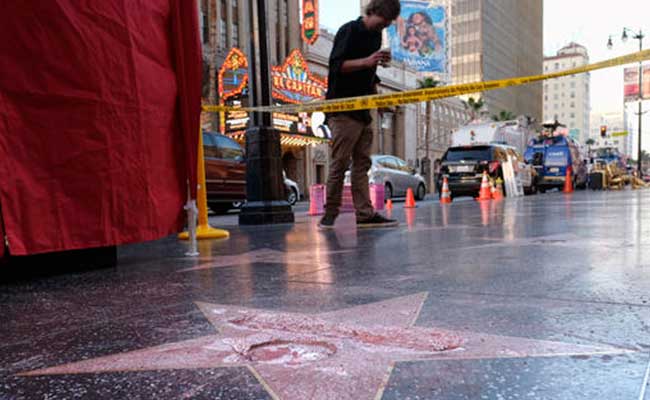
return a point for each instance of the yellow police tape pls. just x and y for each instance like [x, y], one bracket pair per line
[421, 95]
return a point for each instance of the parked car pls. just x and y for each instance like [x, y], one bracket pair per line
[293, 192]
[225, 174]
[464, 167]
[396, 176]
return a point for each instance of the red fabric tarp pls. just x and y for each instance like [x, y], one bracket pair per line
[99, 120]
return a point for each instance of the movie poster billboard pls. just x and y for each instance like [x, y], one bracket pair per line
[631, 82]
[418, 37]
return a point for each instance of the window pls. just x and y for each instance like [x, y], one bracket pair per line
[388, 162]
[573, 105]
[223, 24]
[557, 66]
[205, 22]
[229, 149]
[210, 149]
[573, 84]
[235, 23]
[573, 95]
[573, 115]
[285, 21]
[401, 165]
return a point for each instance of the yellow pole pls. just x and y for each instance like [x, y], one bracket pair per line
[204, 230]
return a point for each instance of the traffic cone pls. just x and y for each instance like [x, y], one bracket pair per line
[317, 200]
[485, 213]
[485, 194]
[410, 218]
[498, 191]
[389, 204]
[445, 196]
[410, 200]
[568, 183]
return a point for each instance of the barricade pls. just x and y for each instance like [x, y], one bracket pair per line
[317, 200]
[377, 196]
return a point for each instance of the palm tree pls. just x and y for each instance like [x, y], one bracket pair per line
[427, 83]
[503, 116]
[474, 106]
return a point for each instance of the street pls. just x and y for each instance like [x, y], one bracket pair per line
[542, 297]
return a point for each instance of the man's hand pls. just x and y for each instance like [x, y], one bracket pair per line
[371, 61]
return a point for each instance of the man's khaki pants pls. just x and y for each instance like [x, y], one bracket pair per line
[351, 139]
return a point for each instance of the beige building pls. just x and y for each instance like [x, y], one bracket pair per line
[567, 99]
[497, 39]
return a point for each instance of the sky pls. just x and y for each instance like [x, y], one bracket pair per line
[587, 22]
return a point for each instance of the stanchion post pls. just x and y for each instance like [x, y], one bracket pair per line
[204, 230]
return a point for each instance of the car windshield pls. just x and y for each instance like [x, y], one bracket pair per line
[555, 159]
[469, 154]
[606, 153]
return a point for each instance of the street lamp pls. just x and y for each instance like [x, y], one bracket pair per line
[638, 36]
[266, 203]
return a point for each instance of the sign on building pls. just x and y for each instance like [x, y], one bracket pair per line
[418, 38]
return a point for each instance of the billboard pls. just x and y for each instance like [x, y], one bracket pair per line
[418, 37]
[631, 82]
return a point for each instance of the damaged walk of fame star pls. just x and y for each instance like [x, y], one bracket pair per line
[344, 354]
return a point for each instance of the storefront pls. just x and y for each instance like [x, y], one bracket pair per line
[304, 157]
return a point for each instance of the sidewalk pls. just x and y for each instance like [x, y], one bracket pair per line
[543, 297]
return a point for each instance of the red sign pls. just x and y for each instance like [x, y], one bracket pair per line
[310, 21]
[233, 74]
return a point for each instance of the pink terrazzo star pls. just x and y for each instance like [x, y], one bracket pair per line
[345, 354]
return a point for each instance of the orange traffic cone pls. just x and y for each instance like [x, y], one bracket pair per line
[568, 182]
[317, 200]
[410, 218]
[485, 213]
[485, 193]
[389, 204]
[498, 191]
[410, 200]
[445, 195]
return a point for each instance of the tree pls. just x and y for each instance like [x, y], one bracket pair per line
[504, 116]
[590, 142]
[427, 83]
[474, 106]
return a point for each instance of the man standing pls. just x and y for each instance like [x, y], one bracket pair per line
[353, 72]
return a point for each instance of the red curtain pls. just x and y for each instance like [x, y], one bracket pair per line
[99, 117]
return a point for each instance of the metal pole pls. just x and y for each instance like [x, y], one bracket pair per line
[640, 161]
[266, 202]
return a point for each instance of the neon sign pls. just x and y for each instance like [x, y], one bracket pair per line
[310, 27]
[293, 83]
[233, 74]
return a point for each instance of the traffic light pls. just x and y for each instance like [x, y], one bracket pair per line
[603, 131]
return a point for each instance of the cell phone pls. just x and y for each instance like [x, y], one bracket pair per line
[387, 57]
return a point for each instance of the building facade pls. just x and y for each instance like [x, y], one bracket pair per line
[567, 99]
[498, 39]
[398, 131]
